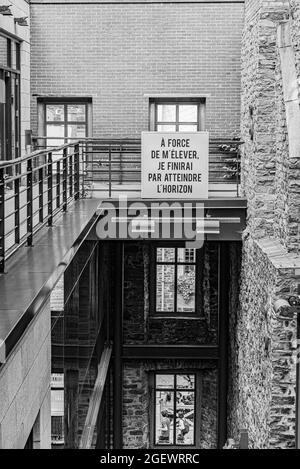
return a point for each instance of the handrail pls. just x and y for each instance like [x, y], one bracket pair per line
[34, 154]
[37, 187]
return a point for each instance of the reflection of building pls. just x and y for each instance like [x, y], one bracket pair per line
[99, 338]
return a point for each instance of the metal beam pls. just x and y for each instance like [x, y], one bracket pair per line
[161, 352]
[118, 339]
[224, 262]
[95, 400]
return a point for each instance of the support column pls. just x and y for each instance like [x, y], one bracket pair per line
[224, 273]
[118, 342]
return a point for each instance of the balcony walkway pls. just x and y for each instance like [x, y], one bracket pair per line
[33, 271]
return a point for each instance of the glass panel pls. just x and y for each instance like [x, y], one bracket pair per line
[3, 51]
[188, 128]
[165, 288]
[164, 417]
[55, 131]
[165, 255]
[13, 55]
[166, 113]
[76, 113]
[76, 131]
[13, 114]
[186, 288]
[166, 128]
[185, 407]
[165, 381]
[55, 112]
[185, 381]
[188, 113]
[186, 255]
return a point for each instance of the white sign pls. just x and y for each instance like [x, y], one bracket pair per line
[175, 165]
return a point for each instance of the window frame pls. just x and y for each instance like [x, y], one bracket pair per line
[42, 103]
[201, 112]
[196, 314]
[66, 123]
[197, 407]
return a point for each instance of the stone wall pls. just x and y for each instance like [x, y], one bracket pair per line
[264, 400]
[137, 405]
[264, 369]
[141, 325]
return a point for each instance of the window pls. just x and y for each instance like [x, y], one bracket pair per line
[175, 281]
[9, 98]
[177, 115]
[175, 409]
[57, 409]
[65, 122]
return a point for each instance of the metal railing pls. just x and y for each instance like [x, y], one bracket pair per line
[113, 166]
[37, 187]
[33, 190]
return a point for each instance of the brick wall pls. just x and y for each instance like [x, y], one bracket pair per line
[117, 53]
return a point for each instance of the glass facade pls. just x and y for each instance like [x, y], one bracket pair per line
[9, 98]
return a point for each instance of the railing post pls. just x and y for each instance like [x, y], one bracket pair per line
[71, 175]
[50, 189]
[65, 179]
[17, 210]
[29, 203]
[76, 172]
[41, 195]
[109, 174]
[2, 221]
[58, 184]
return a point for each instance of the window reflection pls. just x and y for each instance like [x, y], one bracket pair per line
[175, 409]
[175, 277]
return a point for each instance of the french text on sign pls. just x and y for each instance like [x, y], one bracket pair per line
[175, 166]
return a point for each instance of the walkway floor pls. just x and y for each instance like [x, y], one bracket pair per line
[32, 272]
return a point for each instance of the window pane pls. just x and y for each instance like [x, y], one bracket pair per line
[55, 131]
[165, 381]
[186, 288]
[165, 255]
[186, 255]
[188, 128]
[188, 113]
[166, 112]
[185, 407]
[165, 288]
[76, 113]
[166, 128]
[55, 112]
[76, 131]
[57, 402]
[164, 417]
[3, 51]
[185, 381]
